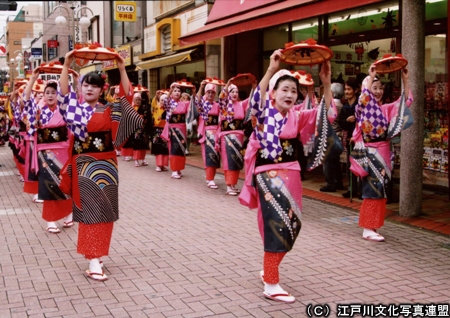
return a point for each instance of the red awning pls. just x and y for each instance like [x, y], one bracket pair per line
[228, 8]
[278, 12]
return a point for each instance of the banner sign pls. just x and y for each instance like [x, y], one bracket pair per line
[125, 11]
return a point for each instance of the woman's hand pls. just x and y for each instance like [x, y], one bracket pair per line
[120, 62]
[405, 74]
[35, 75]
[372, 71]
[68, 59]
[275, 61]
[325, 73]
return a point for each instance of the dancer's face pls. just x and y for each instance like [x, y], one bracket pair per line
[377, 90]
[285, 96]
[50, 96]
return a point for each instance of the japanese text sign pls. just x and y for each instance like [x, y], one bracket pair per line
[125, 11]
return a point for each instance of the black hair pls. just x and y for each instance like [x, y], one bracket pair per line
[94, 78]
[353, 84]
[287, 77]
[52, 84]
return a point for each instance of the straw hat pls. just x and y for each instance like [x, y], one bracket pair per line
[95, 52]
[389, 63]
[139, 89]
[182, 83]
[53, 68]
[305, 53]
[244, 79]
[39, 86]
[215, 80]
[304, 78]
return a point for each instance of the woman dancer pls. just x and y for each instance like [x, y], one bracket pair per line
[92, 172]
[208, 125]
[141, 135]
[273, 183]
[51, 141]
[376, 125]
[175, 129]
[159, 145]
[231, 134]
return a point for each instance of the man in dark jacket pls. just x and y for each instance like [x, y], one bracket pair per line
[346, 120]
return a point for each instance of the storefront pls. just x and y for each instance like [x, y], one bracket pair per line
[358, 35]
[113, 74]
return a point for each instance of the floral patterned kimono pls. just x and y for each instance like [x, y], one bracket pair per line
[159, 145]
[231, 138]
[208, 124]
[16, 138]
[51, 144]
[175, 132]
[91, 176]
[273, 183]
[371, 157]
[4, 121]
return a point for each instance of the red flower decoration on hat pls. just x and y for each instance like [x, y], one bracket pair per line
[310, 41]
[387, 55]
[103, 76]
[308, 77]
[399, 55]
[302, 72]
[286, 45]
[110, 49]
[40, 81]
[37, 87]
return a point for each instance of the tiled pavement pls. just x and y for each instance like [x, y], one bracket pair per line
[183, 250]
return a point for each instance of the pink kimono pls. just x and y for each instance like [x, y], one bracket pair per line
[175, 132]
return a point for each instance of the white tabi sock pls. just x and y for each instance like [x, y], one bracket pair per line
[94, 266]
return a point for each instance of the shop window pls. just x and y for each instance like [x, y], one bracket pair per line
[275, 37]
[304, 30]
[435, 160]
[383, 16]
[166, 39]
[53, 51]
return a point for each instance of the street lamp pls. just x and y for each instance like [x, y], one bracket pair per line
[18, 59]
[83, 22]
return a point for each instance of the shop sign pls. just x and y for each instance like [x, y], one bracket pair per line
[52, 44]
[137, 50]
[125, 11]
[54, 77]
[124, 52]
[36, 51]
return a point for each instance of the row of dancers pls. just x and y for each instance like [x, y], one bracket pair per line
[70, 141]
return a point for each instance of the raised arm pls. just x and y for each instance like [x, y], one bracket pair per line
[325, 77]
[64, 79]
[30, 83]
[123, 75]
[272, 69]
[405, 78]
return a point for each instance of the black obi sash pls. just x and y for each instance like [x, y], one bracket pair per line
[22, 126]
[237, 124]
[213, 120]
[382, 137]
[52, 135]
[96, 142]
[177, 119]
[289, 154]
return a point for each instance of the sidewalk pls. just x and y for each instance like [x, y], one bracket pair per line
[435, 207]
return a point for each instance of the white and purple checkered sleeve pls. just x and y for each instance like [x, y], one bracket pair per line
[74, 114]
